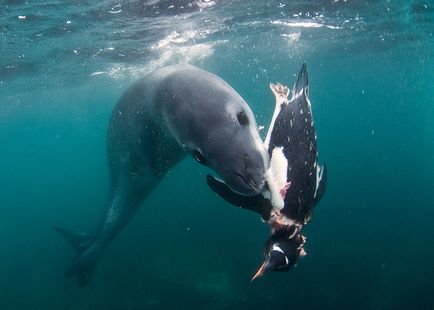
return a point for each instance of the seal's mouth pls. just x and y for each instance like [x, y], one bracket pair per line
[246, 185]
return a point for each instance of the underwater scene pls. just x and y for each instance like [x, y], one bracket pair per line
[369, 84]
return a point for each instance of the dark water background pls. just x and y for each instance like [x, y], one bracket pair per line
[64, 64]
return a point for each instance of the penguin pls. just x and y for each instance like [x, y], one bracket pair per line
[295, 180]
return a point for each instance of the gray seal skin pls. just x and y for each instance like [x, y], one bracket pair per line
[173, 111]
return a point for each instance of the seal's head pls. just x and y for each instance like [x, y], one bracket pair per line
[216, 126]
[232, 148]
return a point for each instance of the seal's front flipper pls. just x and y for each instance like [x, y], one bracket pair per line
[87, 254]
[255, 203]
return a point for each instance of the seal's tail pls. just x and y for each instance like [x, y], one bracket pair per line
[87, 254]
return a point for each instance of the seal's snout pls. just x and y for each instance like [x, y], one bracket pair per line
[254, 170]
[256, 182]
[247, 182]
[250, 176]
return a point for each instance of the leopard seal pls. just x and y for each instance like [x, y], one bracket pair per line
[174, 111]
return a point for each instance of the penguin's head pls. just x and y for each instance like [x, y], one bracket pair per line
[282, 251]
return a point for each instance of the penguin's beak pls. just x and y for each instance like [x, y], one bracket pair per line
[262, 270]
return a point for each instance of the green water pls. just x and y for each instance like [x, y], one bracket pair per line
[371, 75]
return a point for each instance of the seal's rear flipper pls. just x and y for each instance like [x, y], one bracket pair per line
[78, 240]
[255, 203]
[87, 254]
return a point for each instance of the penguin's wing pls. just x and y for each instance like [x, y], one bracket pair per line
[321, 181]
[255, 203]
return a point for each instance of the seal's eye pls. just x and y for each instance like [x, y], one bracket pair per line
[199, 157]
[242, 119]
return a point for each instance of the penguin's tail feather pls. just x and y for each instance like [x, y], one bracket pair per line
[87, 254]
